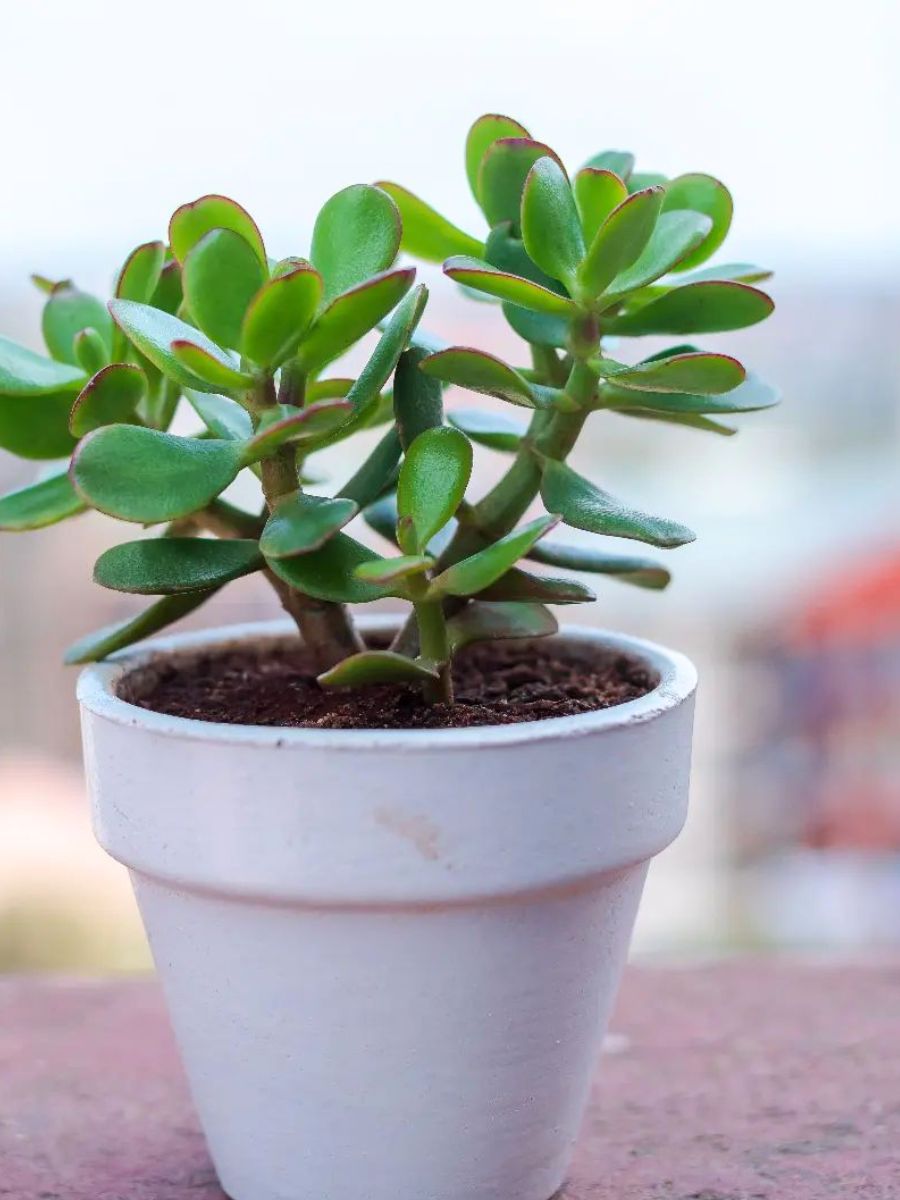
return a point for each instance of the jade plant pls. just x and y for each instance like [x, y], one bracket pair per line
[206, 325]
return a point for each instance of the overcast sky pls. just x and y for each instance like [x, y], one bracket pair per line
[116, 112]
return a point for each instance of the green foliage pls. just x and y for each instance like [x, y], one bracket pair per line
[205, 324]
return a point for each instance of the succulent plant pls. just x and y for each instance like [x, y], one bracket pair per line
[208, 324]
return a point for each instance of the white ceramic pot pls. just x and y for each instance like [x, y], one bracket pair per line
[389, 957]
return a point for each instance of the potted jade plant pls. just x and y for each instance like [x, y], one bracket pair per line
[388, 868]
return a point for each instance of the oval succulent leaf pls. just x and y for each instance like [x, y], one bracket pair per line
[741, 272]
[645, 179]
[597, 193]
[630, 568]
[418, 398]
[521, 586]
[704, 194]
[99, 645]
[619, 162]
[301, 523]
[551, 227]
[153, 332]
[221, 275]
[501, 180]
[675, 235]
[480, 372]
[706, 374]
[284, 423]
[707, 307]
[66, 313]
[223, 417]
[584, 506]
[750, 396]
[166, 566]
[39, 504]
[392, 570]
[377, 473]
[36, 426]
[480, 570]
[484, 132]
[377, 666]
[147, 476]
[475, 273]
[329, 572]
[690, 420]
[620, 239]
[208, 363]
[91, 352]
[169, 293]
[494, 430]
[24, 373]
[110, 396]
[356, 235]
[141, 272]
[279, 315]
[433, 481]
[426, 234]
[192, 221]
[507, 254]
[482, 622]
[351, 315]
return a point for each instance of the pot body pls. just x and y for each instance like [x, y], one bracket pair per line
[389, 957]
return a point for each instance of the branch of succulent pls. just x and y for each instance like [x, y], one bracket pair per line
[207, 326]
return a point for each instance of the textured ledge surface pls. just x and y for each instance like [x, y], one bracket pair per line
[745, 1080]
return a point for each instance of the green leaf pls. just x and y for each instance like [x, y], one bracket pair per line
[645, 179]
[750, 396]
[619, 162]
[688, 419]
[24, 373]
[110, 396]
[489, 429]
[620, 239]
[741, 272]
[706, 374]
[551, 228]
[480, 570]
[392, 570]
[168, 293]
[675, 235]
[212, 366]
[280, 314]
[329, 573]
[433, 481]
[146, 476]
[66, 313]
[475, 273]
[36, 426]
[519, 586]
[376, 666]
[584, 506]
[302, 523]
[508, 255]
[283, 423]
[701, 193]
[356, 236]
[479, 622]
[192, 221]
[480, 372]
[426, 234]
[486, 130]
[100, 645]
[91, 352]
[377, 472]
[221, 275]
[166, 566]
[141, 273]
[504, 169]
[154, 332]
[630, 568]
[39, 504]
[224, 418]
[711, 307]
[418, 403]
[350, 315]
[597, 193]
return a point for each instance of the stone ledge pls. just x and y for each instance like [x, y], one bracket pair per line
[744, 1080]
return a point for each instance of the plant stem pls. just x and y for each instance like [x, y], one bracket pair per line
[434, 645]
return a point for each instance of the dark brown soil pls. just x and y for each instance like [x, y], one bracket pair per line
[495, 684]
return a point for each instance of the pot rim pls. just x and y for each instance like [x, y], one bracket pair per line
[96, 693]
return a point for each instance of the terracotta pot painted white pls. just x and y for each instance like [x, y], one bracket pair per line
[389, 957]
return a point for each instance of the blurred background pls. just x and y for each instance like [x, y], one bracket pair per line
[790, 599]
